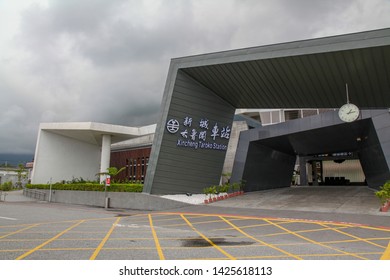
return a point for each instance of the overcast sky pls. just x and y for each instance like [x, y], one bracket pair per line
[107, 60]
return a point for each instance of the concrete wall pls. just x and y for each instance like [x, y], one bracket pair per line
[266, 168]
[175, 168]
[375, 152]
[237, 127]
[62, 158]
[135, 201]
[265, 155]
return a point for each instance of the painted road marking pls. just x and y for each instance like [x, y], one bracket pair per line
[207, 239]
[7, 218]
[20, 230]
[353, 236]
[258, 240]
[48, 241]
[386, 254]
[156, 241]
[315, 242]
[98, 249]
[170, 222]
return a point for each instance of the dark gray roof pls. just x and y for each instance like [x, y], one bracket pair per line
[249, 121]
[302, 74]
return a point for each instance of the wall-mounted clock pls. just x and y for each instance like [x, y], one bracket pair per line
[349, 112]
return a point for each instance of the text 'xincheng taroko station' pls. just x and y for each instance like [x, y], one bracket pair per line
[202, 94]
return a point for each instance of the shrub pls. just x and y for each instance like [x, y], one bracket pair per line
[7, 186]
[89, 187]
[210, 190]
[236, 187]
[224, 188]
[384, 193]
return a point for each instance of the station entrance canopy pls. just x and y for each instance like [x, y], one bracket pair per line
[203, 91]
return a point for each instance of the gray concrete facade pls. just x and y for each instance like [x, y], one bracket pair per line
[120, 200]
[185, 163]
[266, 156]
[302, 74]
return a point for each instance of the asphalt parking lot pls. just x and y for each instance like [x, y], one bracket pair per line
[44, 231]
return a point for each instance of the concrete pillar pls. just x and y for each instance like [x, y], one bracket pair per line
[302, 171]
[105, 157]
[314, 172]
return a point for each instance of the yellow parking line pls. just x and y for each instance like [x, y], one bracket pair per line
[49, 224]
[156, 241]
[249, 226]
[386, 254]
[353, 236]
[350, 240]
[374, 228]
[97, 250]
[207, 239]
[196, 223]
[15, 232]
[67, 249]
[258, 240]
[48, 241]
[18, 225]
[313, 241]
[298, 231]
[166, 219]
[277, 257]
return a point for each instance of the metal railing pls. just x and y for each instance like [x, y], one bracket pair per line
[33, 193]
[3, 194]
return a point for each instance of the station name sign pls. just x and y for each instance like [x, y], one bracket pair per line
[200, 134]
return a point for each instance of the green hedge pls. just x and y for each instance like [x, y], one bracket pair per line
[7, 186]
[89, 187]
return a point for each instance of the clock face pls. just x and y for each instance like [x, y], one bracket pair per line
[349, 112]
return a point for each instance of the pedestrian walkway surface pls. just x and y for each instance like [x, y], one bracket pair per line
[330, 199]
[15, 196]
[327, 199]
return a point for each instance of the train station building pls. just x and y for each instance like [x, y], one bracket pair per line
[314, 107]
[202, 94]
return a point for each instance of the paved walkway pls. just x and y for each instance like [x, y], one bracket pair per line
[324, 199]
[329, 199]
[15, 196]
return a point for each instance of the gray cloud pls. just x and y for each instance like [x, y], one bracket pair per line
[107, 61]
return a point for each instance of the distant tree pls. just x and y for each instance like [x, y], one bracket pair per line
[112, 171]
[22, 174]
[6, 164]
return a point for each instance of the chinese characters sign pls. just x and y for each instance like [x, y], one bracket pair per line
[200, 134]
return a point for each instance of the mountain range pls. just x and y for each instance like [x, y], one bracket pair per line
[15, 159]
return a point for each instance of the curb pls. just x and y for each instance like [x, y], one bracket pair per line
[222, 197]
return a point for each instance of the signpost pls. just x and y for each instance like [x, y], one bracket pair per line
[107, 184]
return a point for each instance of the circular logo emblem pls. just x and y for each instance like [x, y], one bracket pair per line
[172, 126]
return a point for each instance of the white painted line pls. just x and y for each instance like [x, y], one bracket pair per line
[6, 218]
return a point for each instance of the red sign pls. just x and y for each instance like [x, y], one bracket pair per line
[108, 181]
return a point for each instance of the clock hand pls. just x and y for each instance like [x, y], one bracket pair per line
[350, 112]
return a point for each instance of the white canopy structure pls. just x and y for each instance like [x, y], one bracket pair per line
[78, 149]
